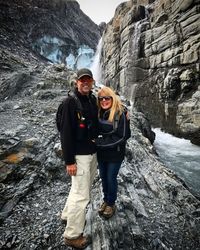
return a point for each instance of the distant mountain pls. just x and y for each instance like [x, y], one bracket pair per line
[54, 29]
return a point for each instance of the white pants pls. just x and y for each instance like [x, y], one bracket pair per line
[79, 196]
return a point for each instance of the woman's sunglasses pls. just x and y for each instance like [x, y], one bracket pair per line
[106, 98]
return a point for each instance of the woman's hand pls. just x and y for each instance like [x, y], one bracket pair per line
[71, 169]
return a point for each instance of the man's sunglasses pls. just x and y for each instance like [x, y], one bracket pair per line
[106, 98]
[86, 79]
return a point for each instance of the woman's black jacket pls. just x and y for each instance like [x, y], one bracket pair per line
[111, 141]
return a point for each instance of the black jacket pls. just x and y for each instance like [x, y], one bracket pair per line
[77, 135]
[111, 142]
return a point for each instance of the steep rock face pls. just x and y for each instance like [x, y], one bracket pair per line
[154, 209]
[151, 54]
[54, 29]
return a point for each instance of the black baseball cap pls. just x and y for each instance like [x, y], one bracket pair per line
[84, 72]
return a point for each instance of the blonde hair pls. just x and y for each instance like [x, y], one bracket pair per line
[116, 107]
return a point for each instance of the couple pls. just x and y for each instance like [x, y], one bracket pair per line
[103, 128]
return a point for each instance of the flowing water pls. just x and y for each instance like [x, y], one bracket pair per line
[96, 66]
[181, 156]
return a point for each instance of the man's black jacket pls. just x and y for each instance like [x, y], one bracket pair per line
[77, 134]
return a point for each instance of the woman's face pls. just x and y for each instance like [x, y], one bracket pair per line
[105, 101]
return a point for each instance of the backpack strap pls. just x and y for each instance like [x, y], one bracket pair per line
[116, 121]
[78, 103]
[73, 95]
[117, 117]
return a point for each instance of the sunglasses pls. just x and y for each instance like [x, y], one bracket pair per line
[106, 98]
[86, 79]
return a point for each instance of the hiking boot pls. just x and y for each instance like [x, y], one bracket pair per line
[109, 211]
[81, 242]
[102, 208]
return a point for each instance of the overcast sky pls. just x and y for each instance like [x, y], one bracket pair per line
[99, 10]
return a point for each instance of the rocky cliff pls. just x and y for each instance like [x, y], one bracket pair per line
[33, 33]
[151, 54]
[55, 29]
[155, 209]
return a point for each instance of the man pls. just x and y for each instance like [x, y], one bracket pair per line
[78, 130]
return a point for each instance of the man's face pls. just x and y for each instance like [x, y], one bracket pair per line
[85, 84]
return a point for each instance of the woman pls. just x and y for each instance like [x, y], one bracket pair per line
[114, 130]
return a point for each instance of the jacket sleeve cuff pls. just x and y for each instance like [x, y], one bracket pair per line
[70, 162]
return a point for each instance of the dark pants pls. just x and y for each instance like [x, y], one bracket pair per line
[108, 173]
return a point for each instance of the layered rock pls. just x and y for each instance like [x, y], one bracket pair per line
[155, 210]
[151, 54]
[54, 29]
[57, 28]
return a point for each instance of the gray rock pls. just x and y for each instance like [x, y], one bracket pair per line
[155, 210]
[153, 60]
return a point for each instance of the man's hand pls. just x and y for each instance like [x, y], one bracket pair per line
[127, 116]
[71, 169]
